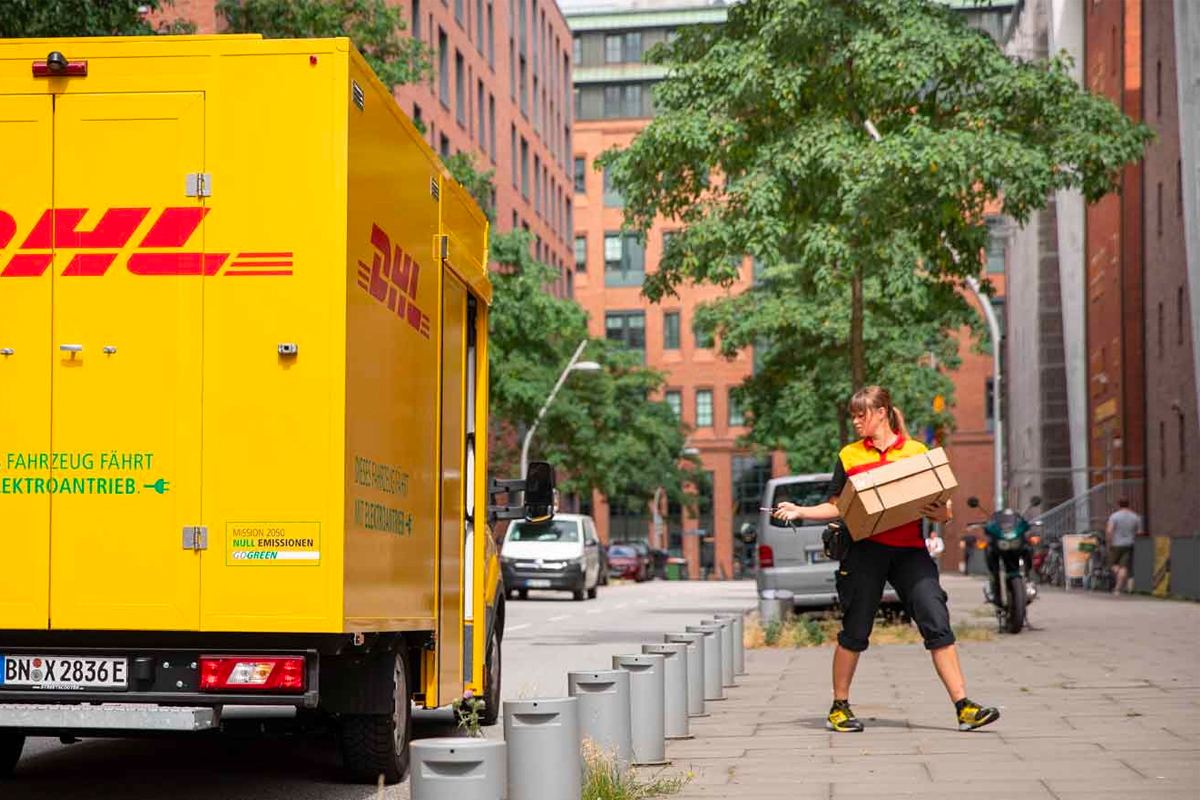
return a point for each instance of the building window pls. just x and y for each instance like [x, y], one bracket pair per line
[1179, 315]
[750, 476]
[995, 247]
[624, 260]
[416, 19]
[623, 100]
[459, 90]
[479, 26]
[704, 341]
[537, 117]
[989, 400]
[612, 197]
[627, 327]
[674, 399]
[633, 47]
[578, 93]
[458, 12]
[704, 408]
[577, 49]
[537, 185]
[483, 142]
[523, 36]
[512, 153]
[443, 69]
[736, 418]
[671, 330]
[581, 254]
[491, 38]
[417, 115]
[1161, 325]
[524, 168]
[1158, 211]
[512, 70]
[445, 148]
[492, 125]
[612, 49]
[523, 88]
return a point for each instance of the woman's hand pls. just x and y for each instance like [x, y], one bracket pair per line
[788, 512]
[938, 512]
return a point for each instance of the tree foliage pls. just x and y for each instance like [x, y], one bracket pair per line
[52, 18]
[760, 146]
[603, 431]
[374, 26]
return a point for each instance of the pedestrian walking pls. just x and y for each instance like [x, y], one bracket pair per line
[1123, 527]
[900, 556]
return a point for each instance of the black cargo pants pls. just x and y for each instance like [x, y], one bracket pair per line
[861, 577]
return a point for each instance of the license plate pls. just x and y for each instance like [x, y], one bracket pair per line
[538, 583]
[63, 672]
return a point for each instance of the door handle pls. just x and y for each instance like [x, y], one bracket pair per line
[71, 348]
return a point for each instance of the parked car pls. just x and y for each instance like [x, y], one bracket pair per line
[646, 566]
[562, 553]
[624, 561]
[793, 557]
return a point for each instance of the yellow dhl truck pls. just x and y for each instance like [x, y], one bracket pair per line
[243, 398]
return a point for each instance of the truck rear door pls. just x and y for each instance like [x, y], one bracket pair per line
[26, 168]
[125, 358]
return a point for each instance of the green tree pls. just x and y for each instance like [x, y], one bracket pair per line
[373, 26]
[51, 18]
[603, 430]
[761, 145]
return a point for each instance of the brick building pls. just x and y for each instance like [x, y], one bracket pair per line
[1115, 310]
[1173, 438]
[501, 91]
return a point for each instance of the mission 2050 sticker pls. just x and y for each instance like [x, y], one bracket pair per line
[274, 544]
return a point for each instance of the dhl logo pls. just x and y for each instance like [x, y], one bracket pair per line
[57, 230]
[392, 280]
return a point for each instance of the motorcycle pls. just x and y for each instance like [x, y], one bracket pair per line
[1009, 558]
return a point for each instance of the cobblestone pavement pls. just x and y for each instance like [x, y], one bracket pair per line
[1100, 701]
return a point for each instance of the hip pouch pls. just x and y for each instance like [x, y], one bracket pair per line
[836, 540]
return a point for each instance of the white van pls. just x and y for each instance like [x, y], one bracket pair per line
[562, 554]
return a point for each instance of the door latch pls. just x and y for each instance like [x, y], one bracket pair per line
[195, 537]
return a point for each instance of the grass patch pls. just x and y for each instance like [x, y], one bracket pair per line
[821, 630]
[603, 779]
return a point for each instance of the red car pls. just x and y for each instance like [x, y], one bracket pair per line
[624, 562]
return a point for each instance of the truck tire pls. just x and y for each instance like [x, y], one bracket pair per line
[492, 672]
[377, 744]
[11, 744]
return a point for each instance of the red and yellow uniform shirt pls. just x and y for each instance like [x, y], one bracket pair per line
[862, 456]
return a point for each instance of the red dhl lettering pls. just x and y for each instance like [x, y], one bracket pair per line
[58, 230]
[392, 279]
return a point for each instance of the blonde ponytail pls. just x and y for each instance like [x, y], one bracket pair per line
[896, 420]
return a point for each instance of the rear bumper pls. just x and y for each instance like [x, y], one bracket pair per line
[812, 586]
[108, 717]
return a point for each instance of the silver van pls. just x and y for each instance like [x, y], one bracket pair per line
[793, 558]
[561, 554]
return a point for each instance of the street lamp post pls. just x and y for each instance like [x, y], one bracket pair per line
[994, 328]
[573, 365]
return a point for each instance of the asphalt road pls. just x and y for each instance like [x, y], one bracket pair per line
[547, 635]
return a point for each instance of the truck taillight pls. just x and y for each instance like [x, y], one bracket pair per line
[766, 556]
[257, 673]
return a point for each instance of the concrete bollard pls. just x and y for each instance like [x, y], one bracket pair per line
[726, 628]
[604, 709]
[774, 605]
[647, 706]
[739, 641]
[459, 769]
[712, 661]
[676, 679]
[543, 749]
[695, 666]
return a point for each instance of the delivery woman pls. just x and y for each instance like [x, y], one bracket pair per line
[897, 556]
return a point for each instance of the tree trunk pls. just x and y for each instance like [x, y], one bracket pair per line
[858, 365]
[843, 424]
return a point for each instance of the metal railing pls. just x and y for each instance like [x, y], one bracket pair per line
[1090, 511]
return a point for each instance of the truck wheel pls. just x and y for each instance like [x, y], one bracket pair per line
[377, 744]
[592, 593]
[491, 679]
[11, 744]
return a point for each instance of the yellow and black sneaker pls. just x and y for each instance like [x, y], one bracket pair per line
[842, 719]
[972, 716]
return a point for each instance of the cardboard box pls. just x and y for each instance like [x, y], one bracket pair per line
[889, 496]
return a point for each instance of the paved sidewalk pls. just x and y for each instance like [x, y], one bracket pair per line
[1100, 701]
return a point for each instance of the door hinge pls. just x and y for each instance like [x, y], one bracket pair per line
[195, 537]
[198, 184]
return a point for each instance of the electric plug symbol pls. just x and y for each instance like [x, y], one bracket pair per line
[159, 486]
